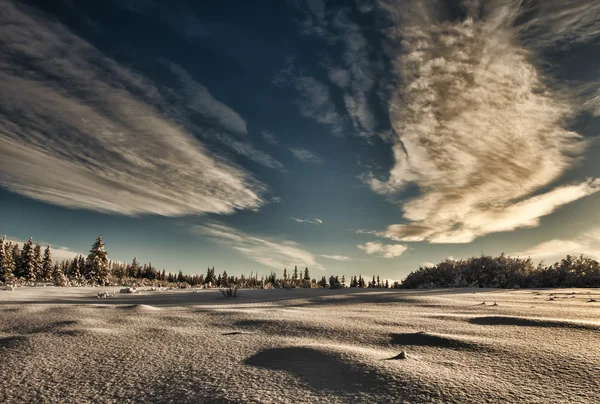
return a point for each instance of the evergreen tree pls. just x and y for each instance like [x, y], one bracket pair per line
[3, 245]
[74, 271]
[58, 276]
[133, 268]
[343, 281]
[47, 264]
[37, 262]
[26, 264]
[180, 276]
[361, 282]
[323, 282]
[387, 284]
[97, 263]
[285, 275]
[353, 282]
[306, 274]
[210, 277]
[8, 265]
[225, 279]
[295, 275]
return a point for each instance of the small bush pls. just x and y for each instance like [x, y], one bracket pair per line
[231, 291]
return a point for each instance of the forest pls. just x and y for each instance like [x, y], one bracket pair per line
[31, 264]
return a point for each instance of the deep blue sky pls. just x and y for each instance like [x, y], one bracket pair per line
[350, 137]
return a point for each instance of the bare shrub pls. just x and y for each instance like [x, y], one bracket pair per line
[231, 291]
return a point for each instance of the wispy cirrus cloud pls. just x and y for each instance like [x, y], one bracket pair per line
[383, 250]
[336, 257]
[272, 254]
[314, 99]
[311, 221]
[201, 101]
[306, 156]
[79, 130]
[269, 137]
[477, 128]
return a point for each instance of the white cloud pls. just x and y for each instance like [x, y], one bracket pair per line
[314, 99]
[79, 130]
[276, 199]
[558, 23]
[269, 137]
[58, 253]
[476, 127]
[272, 254]
[384, 250]
[201, 101]
[311, 221]
[305, 155]
[316, 103]
[336, 257]
[587, 244]
[360, 78]
[247, 150]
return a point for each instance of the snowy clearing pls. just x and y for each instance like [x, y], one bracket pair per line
[299, 346]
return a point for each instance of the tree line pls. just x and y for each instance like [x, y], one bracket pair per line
[506, 272]
[30, 264]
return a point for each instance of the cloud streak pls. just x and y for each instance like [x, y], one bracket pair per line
[476, 128]
[587, 244]
[311, 221]
[383, 250]
[336, 257]
[79, 130]
[272, 254]
[306, 156]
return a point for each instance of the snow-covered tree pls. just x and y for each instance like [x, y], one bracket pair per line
[47, 265]
[9, 263]
[2, 257]
[26, 264]
[133, 268]
[59, 277]
[37, 262]
[97, 264]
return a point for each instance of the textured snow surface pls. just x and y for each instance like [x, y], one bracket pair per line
[299, 346]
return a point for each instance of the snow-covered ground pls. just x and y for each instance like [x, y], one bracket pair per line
[299, 346]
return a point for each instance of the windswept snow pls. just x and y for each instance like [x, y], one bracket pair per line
[299, 346]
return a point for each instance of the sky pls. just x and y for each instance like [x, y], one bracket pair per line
[348, 137]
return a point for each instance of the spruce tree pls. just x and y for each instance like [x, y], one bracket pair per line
[58, 276]
[133, 268]
[26, 264]
[47, 265]
[323, 282]
[9, 264]
[2, 259]
[285, 275]
[306, 274]
[97, 263]
[225, 279]
[37, 262]
[295, 276]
